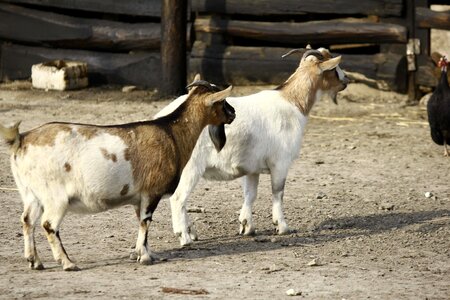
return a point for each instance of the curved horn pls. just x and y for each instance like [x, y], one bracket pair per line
[204, 83]
[298, 50]
[316, 53]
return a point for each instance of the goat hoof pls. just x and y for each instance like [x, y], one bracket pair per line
[133, 256]
[36, 266]
[193, 234]
[246, 229]
[185, 242]
[283, 230]
[145, 260]
[71, 267]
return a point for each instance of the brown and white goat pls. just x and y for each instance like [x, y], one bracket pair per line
[68, 167]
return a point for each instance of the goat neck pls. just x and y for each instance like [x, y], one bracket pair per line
[186, 128]
[301, 89]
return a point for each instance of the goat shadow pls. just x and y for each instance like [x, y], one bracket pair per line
[325, 232]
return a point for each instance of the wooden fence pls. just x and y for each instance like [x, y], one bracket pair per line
[228, 41]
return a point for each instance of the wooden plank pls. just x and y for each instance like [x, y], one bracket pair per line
[259, 65]
[392, 69]
[140, 69]
[328, 32]
[149, 8]
[44, 28]
[173, 47]
[428, 73]
[427, 18]
[295, 7]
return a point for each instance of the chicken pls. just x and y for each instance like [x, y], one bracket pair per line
[438, 108]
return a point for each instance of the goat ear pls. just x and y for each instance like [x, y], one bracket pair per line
[330, 64]
[211, 99]
[217, 135]
[197, 77]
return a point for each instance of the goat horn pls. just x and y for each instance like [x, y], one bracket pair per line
[204, 83]
[298, 50]
[314, 52]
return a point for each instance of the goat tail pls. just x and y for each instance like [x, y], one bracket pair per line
[11, 135]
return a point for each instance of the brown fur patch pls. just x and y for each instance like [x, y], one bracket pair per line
[44, 135]
[107, 155]
[301, 87]
[126, 154]
[48, 227]
[67, 167]
[87, 132]
[124, 190]
[25, 220]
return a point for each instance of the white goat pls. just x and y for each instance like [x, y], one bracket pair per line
[61, 167]
[265, 138]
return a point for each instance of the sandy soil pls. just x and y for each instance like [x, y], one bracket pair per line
[356, 198]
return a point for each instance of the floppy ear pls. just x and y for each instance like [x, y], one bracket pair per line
[211, 99]
[217, 135]
[330, 64]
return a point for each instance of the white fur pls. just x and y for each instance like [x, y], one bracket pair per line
[93, 184]
[93, 179]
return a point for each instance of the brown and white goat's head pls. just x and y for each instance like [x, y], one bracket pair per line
[334, 79]
[322, 68]
[219, 113]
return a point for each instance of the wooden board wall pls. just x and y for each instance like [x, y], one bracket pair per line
[349, 30]
[57, 30]
[141, 69]
[148, 8]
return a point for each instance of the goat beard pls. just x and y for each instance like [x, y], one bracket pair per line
[217, 135]
[334, 98]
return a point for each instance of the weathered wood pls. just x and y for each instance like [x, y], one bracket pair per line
[150, 8]
[58, 30]
[173, 47]
[140, 69]
[427, 18]
[391, 68]
[334, 31]
[259, 65]
[296, 7]
[428, 73]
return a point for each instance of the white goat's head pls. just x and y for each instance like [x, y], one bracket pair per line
[321, 64]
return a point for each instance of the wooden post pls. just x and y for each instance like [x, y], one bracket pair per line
[410, 56]
[173, 47]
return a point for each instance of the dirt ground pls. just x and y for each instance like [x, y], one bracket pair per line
[356, 198]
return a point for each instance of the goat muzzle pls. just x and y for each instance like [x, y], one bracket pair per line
[229, 112]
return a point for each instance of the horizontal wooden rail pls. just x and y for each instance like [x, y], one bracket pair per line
[45, 28]
[296, 7]
[150, 8]
[427, 18]
[334, 31]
